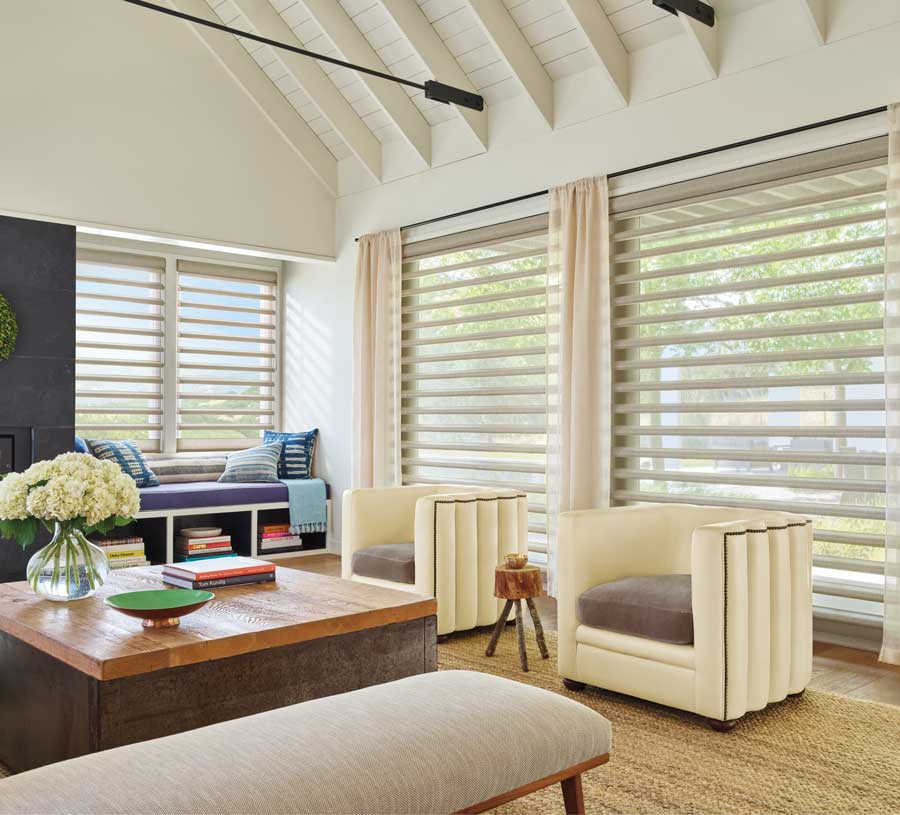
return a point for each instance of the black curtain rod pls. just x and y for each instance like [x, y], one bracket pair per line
[447, 94]
[655, 164]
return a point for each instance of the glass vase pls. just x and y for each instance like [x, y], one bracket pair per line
[70, 567]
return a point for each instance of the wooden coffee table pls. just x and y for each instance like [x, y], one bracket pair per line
[80, 677]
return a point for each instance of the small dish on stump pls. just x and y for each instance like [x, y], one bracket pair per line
[515, 561]
[159, 608]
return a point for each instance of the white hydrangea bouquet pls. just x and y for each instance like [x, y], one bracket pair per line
[72, 496]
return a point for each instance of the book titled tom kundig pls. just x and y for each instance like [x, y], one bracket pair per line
[219, 569]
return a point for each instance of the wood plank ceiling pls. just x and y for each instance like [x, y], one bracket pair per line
[502, 48]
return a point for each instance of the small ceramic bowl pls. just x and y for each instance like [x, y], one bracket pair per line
[159, 608]
[201, 531]
[515, 561]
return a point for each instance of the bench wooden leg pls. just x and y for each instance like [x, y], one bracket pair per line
[573, 795]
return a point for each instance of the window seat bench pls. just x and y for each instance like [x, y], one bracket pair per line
[204, 494]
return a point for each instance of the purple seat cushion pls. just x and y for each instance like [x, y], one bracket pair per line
[212, 494]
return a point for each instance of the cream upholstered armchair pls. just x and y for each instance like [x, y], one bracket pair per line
[706, 609]
[441, 541]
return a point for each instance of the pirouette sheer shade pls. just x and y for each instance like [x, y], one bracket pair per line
[890, 650]
[120, 345]
[227, 341]
[376, 361]
[578, 462]
[749, 360]
[476, 362]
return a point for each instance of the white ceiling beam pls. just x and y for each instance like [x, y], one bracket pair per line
[604, 41]
[508, 39]
[270, 101]
[437, 58]
[704, 42]
[355, 48]
[315, 83]
[815, 12]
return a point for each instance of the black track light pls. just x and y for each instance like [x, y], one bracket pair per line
[700, 11]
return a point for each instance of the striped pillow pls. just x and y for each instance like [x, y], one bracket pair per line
[297, 455]
[128, 456]
[181, 469]
[256, 464]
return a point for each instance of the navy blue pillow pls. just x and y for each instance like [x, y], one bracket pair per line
[296, 453]
[80, 446]
[129, 458]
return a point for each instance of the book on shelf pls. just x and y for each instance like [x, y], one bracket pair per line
[219, 582]
[202, 543]
[275, 529]
[276, 543]
[219, 547]
[127, 564]
[182, 558]
[228, 566]
[118, 541]
[295, 547]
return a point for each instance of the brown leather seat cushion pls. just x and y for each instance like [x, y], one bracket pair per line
[389, 561]
[657, 607]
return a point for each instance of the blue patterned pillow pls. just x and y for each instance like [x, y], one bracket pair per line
[80, 446]
[297, 455]
[128, 456]
[255, 464]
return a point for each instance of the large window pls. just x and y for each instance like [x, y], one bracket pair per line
[176, 354]
[749, 350]
[474, 373]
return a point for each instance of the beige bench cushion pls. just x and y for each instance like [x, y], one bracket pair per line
[387, 561]
[657, 607]
[437, 742]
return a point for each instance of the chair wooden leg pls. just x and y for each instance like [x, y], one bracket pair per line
[573, 795]
[498, 629]
[722, 727]
[520, 635]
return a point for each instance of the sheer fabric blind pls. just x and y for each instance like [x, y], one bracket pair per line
[475, 362]
[119, 347]
[748, 349]
[227, 346]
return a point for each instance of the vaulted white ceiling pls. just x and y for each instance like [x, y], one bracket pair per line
[619, 52]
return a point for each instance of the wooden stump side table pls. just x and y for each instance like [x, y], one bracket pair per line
[514, 586]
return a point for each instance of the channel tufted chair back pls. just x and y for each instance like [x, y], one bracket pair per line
[750, 595]
[459, 535]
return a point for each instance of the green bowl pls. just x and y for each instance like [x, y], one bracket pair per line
[159, 608]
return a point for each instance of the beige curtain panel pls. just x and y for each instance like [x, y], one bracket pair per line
[890, 650]
[579, 320]
[376, 361]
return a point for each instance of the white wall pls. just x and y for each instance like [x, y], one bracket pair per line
[845, 77]
[113, 115]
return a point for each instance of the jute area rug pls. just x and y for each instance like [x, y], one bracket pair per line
[818, 753]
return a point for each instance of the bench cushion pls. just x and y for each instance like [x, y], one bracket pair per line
[437, 742]
[389, 561]
[657, 607]
[213, 494]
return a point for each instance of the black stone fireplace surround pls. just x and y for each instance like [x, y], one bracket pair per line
[37, 383]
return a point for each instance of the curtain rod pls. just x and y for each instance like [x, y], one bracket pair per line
[655, 164]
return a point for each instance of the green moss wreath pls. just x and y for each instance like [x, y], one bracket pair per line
[9, 329]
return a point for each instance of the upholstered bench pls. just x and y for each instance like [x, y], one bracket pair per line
[454, 741]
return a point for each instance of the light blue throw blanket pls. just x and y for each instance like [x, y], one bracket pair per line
[306, 497]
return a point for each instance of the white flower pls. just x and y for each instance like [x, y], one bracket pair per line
[72, 485]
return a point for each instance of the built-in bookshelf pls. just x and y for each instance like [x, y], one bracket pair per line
[158, 528]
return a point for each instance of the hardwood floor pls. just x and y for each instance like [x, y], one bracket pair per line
[837, 669]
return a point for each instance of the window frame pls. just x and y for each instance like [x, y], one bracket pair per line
[98, 246]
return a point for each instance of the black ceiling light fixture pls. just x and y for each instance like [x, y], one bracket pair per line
[437, 91]
[700, 11]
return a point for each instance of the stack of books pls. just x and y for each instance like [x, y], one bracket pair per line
[188, 549]
[123, 553]
[277, 538]
[230, 571]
